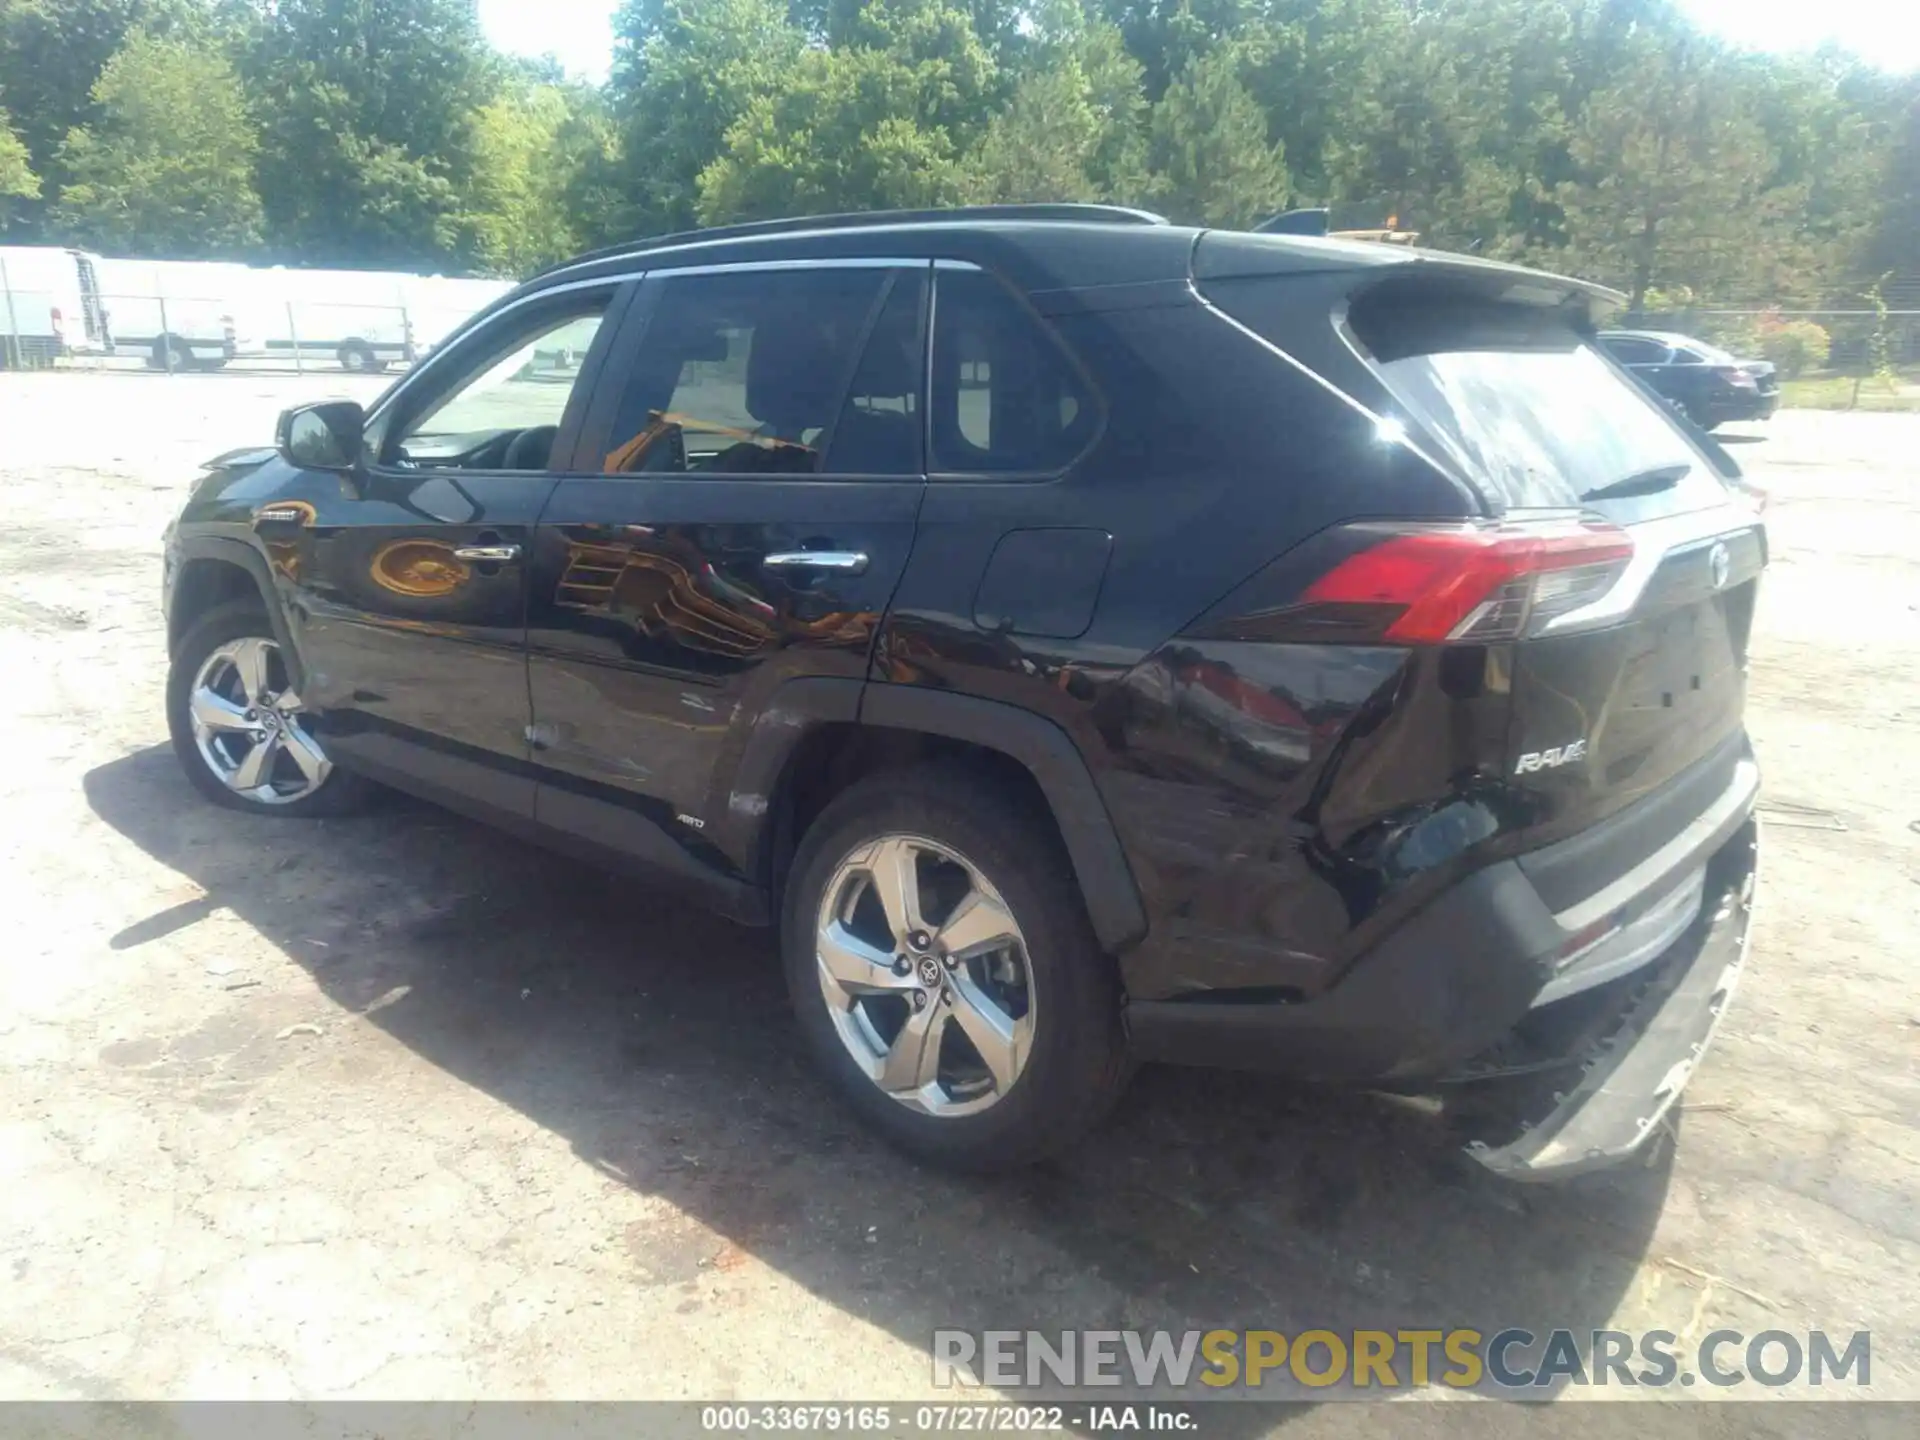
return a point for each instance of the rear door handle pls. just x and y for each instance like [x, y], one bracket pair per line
[841, 562]
[484, 553]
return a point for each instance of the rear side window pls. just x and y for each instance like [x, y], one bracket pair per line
[1529, 411]
[882, 423]
[1632, 350]
[1006, 397]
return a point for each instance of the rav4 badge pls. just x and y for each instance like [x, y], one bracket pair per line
[1551, 759]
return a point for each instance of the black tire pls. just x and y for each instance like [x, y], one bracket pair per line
[1077, 1064]
[356, 357]
[339, 793]
[182, 357]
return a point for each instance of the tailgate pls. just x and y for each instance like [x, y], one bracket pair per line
[1620, 678]
[1606, 710]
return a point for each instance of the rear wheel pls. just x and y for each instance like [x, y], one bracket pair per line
[170, 352]
[944, 972]
[357, 357]
[241, 730]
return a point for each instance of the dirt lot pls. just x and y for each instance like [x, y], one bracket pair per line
[396, 1107]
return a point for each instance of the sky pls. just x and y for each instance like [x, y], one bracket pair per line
[1886, 31]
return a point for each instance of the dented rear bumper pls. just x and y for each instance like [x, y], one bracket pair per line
[1634, 1072]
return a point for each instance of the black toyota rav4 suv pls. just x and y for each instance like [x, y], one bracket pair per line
[1088, 640]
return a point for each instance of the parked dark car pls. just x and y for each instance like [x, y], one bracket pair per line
[1088, 640]
[1704, 383]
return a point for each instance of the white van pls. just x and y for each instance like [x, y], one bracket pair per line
[184, 314]
[49, 305]
[438, 305]
[366, 319]
[357, 316]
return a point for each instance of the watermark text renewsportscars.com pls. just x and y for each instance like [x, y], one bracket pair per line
[1508, 1359]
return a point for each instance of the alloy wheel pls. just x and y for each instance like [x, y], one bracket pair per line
[925, 975]
[250, 727]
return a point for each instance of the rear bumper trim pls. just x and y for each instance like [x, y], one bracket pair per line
[1701, 836]
[1628, 1087]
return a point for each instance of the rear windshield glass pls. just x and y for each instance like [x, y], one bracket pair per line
[1530, 413]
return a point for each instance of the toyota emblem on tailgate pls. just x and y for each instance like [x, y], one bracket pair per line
[1719, 564]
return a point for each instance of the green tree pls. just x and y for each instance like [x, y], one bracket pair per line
[1074, 127]
[1166, 36]
[1672, 181]
[685, 71]
[880, 122]
[368, 142]
[166, 168]
[527, 207]
[1893, 245]
[1211, 159]
[52, 52]
[17, 180]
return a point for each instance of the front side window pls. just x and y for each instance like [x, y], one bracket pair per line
[1006, 398]
[503, 408]
[746, 373]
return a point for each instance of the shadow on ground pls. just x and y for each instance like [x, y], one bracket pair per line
[657, 1040]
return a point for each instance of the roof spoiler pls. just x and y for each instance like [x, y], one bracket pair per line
[1296, 222]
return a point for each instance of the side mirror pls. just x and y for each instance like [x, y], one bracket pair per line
[326, 436]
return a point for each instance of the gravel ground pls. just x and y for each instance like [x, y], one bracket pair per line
[397, 1107]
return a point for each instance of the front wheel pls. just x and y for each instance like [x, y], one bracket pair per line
[945, 974]
[239, 727]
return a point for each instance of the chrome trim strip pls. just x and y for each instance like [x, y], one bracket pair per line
[1734, 802]
[1646, 937]
[614, 280]
[513, 302]
[1654, 543]
[826, 262]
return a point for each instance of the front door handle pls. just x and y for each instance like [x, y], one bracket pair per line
[841, 562]
[485, 553]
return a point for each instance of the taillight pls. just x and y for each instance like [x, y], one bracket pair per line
[1738, 377]
[1428, 585]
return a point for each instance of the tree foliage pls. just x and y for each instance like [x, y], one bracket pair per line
[368, 134]
[1606, 137]
[166, 166]
[1212, 163]
[17, 180]
[539, 147]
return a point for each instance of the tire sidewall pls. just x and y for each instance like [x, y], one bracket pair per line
[1076, 1033]
[234, 622]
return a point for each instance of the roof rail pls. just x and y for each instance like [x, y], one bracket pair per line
[1066, 213]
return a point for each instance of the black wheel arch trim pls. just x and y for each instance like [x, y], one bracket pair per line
[746, 822]
[1099, 863]
[239, 554]
[741, 805]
